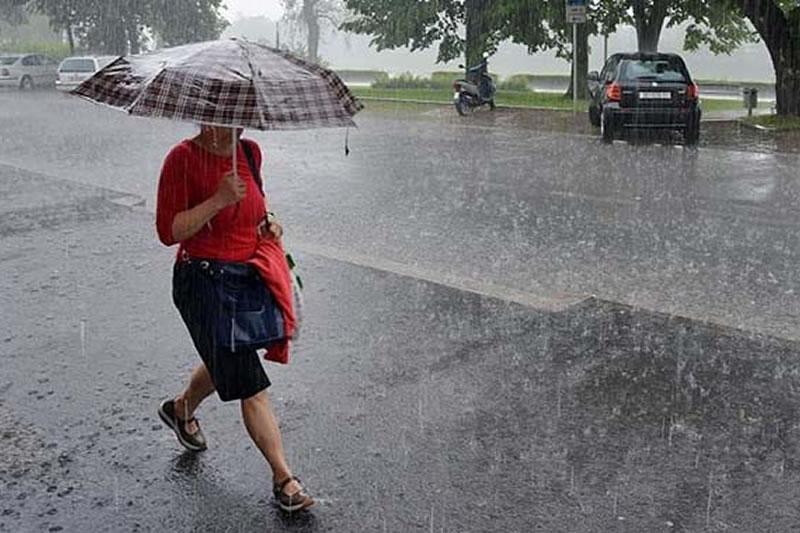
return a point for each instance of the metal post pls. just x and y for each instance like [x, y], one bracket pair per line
[605, 50]
[575, 68]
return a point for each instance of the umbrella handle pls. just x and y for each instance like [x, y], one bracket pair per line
[235, 143]
[235, 149]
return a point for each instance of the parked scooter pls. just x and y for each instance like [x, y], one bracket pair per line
[476, 90]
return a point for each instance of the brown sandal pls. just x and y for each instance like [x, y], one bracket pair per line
[291, 502]
[196, 441]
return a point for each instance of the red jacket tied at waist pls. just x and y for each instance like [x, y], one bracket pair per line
[270, 261]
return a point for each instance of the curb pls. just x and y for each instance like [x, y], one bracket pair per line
[756, 127]
[119, 198]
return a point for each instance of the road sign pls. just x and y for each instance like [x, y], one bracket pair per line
[576, 11]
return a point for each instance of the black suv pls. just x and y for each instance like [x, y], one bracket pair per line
[644, 91]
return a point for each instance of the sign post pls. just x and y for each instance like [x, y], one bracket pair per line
[576, 14]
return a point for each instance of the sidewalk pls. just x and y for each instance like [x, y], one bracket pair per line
[408, 406]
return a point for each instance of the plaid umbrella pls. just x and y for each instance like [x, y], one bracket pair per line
[233, 83]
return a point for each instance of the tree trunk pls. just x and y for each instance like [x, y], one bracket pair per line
[583, 65]
[649, 17]
[477, 12]
[116, 39]
[134, 43]
[787, 82]
[781, 33]
[648, 37]
[71, 40]
[311, 21]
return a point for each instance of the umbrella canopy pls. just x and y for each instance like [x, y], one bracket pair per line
[233, 83]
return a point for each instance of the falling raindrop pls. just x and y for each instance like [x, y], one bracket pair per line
[83, 337]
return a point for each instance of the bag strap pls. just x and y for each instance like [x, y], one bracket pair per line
[251, 162]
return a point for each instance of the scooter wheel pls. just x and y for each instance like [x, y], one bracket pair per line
[461, 107]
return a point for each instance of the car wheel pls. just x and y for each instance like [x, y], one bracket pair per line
[594, 117]
[462, 106]
[26, 84]
[691, 135]
[606, 128]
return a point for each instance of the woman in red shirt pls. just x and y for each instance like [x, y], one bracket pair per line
[214, 214]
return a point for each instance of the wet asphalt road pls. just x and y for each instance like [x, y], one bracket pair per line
[452, 375]
[707, 234]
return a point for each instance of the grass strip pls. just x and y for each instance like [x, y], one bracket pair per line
[775, 122]
[531, 99]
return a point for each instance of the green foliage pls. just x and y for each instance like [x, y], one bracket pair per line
[56, 51]
[721, 40]
[179, 22]
[717, 24]
[118, 26]
[419, 25]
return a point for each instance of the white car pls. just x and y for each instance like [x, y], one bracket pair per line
[75, 70]
[27, 71]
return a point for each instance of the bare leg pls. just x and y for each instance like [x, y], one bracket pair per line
[263, 429]
[200, 387]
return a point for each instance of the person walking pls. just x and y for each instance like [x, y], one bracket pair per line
[217, 216]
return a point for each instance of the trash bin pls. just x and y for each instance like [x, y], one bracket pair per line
[750, 99]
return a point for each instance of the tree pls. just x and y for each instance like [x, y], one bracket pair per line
[115, 26]
[118, 26]
[313, 15]
[778, 24]
[112, 26]
[716, 23]
[542, 25]
[418, 25]
[13, 12]
[64, 15]
[177, 22]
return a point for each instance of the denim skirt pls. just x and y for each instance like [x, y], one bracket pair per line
[236, 374]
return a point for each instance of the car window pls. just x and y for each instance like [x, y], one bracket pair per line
[30, 61]
[77, 65]
[609, 70]
[657, 69]
[48, 60]
[8, 60]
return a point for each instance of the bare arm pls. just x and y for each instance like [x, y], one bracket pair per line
[187, 223]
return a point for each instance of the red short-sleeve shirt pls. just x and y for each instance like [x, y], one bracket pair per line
[189, 177]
